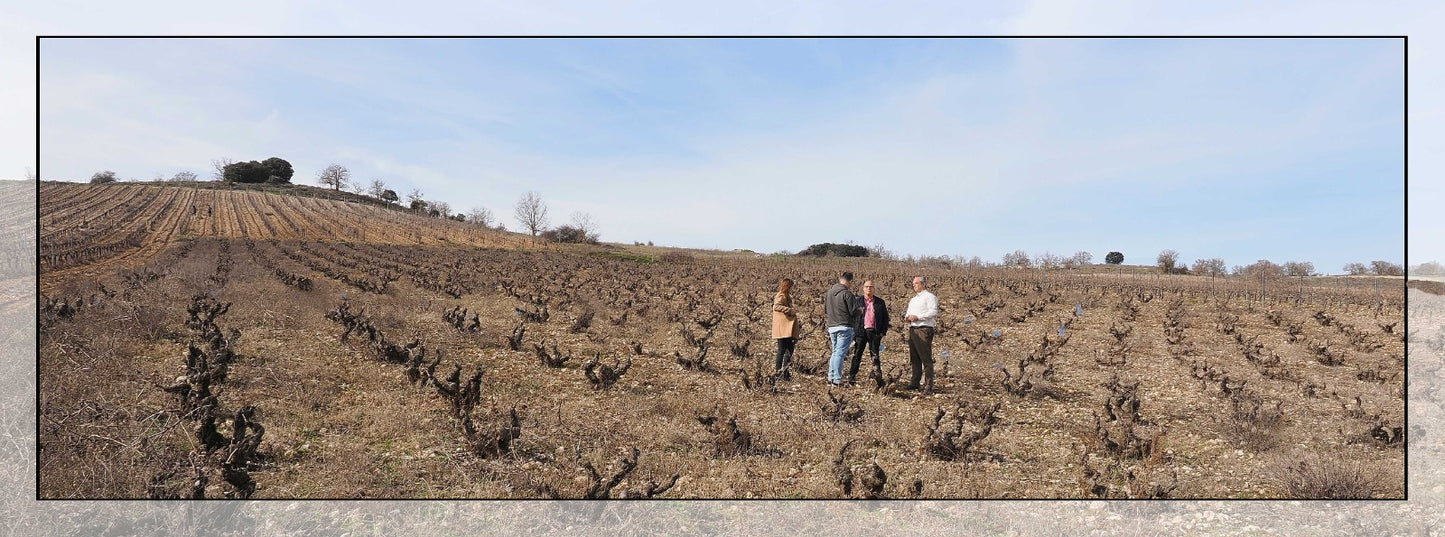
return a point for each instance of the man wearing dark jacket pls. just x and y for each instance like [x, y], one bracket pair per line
[870, 319]
[838, 306]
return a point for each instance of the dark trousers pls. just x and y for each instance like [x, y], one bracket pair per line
[870, 338]
[920, 355]
[785, 355]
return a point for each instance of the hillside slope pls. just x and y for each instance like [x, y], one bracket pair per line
[97, 227]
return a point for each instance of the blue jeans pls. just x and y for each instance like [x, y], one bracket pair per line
[842, 338]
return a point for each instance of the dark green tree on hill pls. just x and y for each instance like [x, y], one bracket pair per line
[1114, 258]
[839, 250]
[274, 170]
[281, 170]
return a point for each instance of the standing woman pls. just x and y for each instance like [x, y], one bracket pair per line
[785, 328]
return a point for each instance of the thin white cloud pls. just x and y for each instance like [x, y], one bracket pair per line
[973, 164]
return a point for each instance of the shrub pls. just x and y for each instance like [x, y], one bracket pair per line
[1253, 423]
[102, 177]
[570, 234]
[1315, 477]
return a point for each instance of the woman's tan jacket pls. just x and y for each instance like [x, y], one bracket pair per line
[785, 322]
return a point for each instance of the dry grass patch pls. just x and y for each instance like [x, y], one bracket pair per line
[1315, 476]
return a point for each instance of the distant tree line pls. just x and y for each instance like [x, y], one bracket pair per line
[1428, 268]
[1167, 262]
[1377, 268]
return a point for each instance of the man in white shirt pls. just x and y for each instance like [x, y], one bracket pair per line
[922, 316]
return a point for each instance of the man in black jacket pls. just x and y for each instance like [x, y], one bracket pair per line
[870, 319]
[838, 306]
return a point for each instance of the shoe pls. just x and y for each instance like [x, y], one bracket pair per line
[910, 386]
[838, 383]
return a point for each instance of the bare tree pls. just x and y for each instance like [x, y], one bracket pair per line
[377, 188]
[480, 215]
[219, 167]
[584, 222]
[1048, 261]
[1018, 258]
[1386, 268]
[532, 213]
[413, 197]
[1167, 259]
[335, 176]
[1082, 258]
[1262, 269]
[1356, 269]
[1299, 268]
[442, 208]
[29, 175]
[184, 175]
[1213, 266]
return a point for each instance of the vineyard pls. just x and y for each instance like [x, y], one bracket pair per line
[212, 343]
[92, 228]
[17, 234]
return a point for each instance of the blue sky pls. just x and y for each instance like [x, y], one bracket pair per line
[1243, 149]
